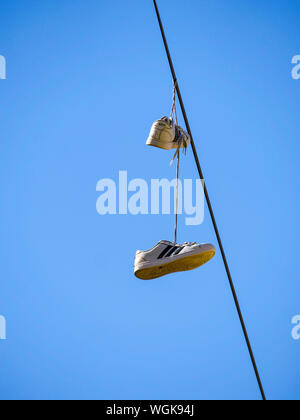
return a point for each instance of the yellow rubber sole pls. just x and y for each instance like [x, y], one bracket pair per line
[184, 264]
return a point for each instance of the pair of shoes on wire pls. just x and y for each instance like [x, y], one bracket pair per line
[169, 257]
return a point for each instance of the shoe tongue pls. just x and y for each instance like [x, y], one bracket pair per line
[166, 242]
[167, 121]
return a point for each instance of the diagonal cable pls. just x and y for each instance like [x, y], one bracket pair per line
[210, 206]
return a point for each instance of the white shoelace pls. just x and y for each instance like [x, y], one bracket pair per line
[182, 139]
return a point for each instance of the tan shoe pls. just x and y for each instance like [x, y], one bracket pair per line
[162, 134]
[165, 134]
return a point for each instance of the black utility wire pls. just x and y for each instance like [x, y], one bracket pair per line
[209, 204]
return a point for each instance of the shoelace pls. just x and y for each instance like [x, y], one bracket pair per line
[182, 139]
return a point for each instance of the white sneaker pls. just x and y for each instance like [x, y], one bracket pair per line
[165, 258]
[165, 134]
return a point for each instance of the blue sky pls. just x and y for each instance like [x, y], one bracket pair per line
[85, 81]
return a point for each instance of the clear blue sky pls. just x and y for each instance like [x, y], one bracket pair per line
[85, 81]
